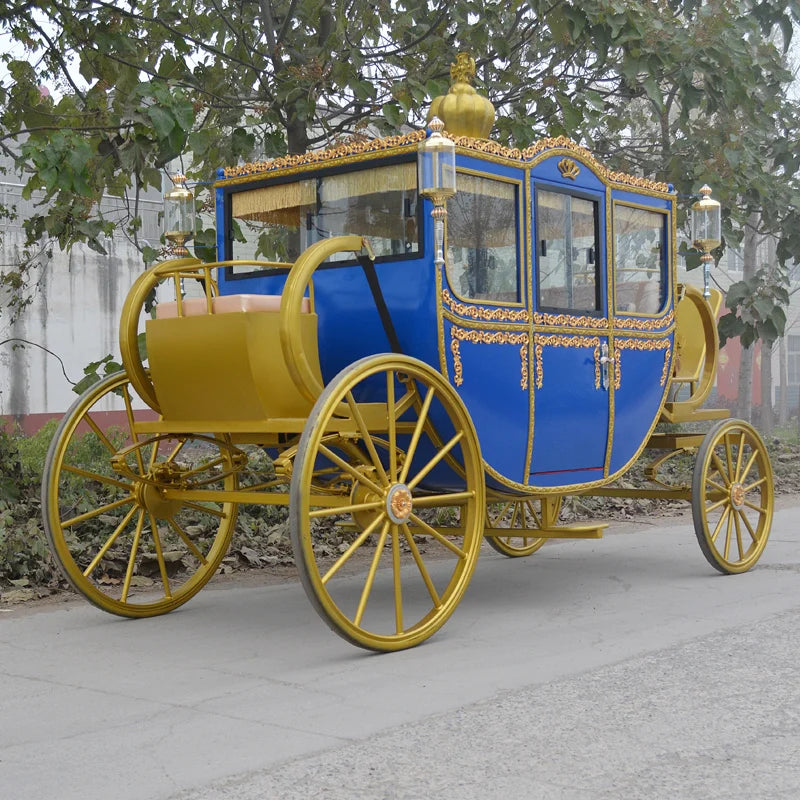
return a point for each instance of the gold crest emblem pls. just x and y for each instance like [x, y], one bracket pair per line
[568, 168]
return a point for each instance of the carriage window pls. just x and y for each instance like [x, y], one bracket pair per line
[379, 203]
[639, 251]
[482, 262]
[567, 252]
[276, 223]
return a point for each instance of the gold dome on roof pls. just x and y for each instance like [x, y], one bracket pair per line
[463, 111]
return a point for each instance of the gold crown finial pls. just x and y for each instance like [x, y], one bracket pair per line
[463, 69]
[463, 111]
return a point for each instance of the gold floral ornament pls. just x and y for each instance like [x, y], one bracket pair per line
[463, 111]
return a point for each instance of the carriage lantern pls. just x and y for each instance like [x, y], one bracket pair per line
[179, 215]
[706, 232]
[437, 178]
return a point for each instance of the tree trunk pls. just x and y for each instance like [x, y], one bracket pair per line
[783, 389]
[766, 389]
[745, 400]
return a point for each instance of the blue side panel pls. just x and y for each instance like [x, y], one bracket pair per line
[492, 376]
[637, 401]
[638, 199]
[570, 426]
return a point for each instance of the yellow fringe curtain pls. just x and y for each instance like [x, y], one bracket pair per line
[400, 177]
[278, 205]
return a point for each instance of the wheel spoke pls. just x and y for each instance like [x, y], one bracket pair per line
[728, 537]
[96, 512]
[162, 566]
[350, 470]
[132, 425]
[493, 523]
[373, 568]
[434, 500]
[398, 586]
[333, 510]
[188, 542]
[720, 523]
[344, 557]
[749, 466]
[99, 433]
[716, 486]
[757, 483]
[96, 476]
[438, 536]
[365, 435]
[109, 542]
[126, 587]
[217, 462]
[515, 516]
[176, 451]
[215, 512]
[423, 570]
[729, 456]
[716, 505]
[760, 509]
[748, 525]
[536, 518]
[738, 536]
[436, 459]
[721, 469]
[392, 427]
[412, 447]
[739, 454]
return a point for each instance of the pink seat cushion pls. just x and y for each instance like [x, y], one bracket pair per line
[252, 302]
[227, 304]
[192, 307]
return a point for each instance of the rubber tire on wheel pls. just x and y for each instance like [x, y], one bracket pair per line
[732, 496]
[121, 531]
[403, 605]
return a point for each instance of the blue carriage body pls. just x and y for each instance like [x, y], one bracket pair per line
[553, 316]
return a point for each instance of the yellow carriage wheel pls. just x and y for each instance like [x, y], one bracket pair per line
[118, 540]
[519, 516]
[732, 496]
[394, 581]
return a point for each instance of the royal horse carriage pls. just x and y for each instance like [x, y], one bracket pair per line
[418, 344]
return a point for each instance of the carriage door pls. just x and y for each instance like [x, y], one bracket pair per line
[571, 366]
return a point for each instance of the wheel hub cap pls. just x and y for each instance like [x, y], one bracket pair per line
[399, 503]
[737, 495]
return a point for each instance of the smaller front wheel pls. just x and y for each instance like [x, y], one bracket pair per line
[518, 518]
[732, 496]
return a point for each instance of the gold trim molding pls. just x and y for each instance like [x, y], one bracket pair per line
[628, 323]
[555, 340]
[640, 344]
[482, 313]
[361, 145]
[459, 335]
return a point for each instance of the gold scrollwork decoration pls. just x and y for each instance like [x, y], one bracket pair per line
[556, 340]
[568, 168]
[568, 321]
[482, 313]
[354, 146]
[362, 145]
[640, 344]
[459, 335]
[628, 323]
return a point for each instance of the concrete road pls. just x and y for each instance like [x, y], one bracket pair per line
[618, 668]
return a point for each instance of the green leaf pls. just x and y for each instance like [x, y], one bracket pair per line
[163, 121]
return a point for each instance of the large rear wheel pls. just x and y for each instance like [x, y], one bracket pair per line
[118, 540]
[392, 579]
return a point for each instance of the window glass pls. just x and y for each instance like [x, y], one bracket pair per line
[379, 203]
[567, 252]
[276, 223]
[639, 250]
[793, 360]
[482, 260]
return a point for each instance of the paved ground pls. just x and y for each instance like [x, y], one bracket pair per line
[621, 668]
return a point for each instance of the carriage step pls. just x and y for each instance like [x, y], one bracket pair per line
[559, 532]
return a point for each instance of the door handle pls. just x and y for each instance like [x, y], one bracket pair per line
[605, 360]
